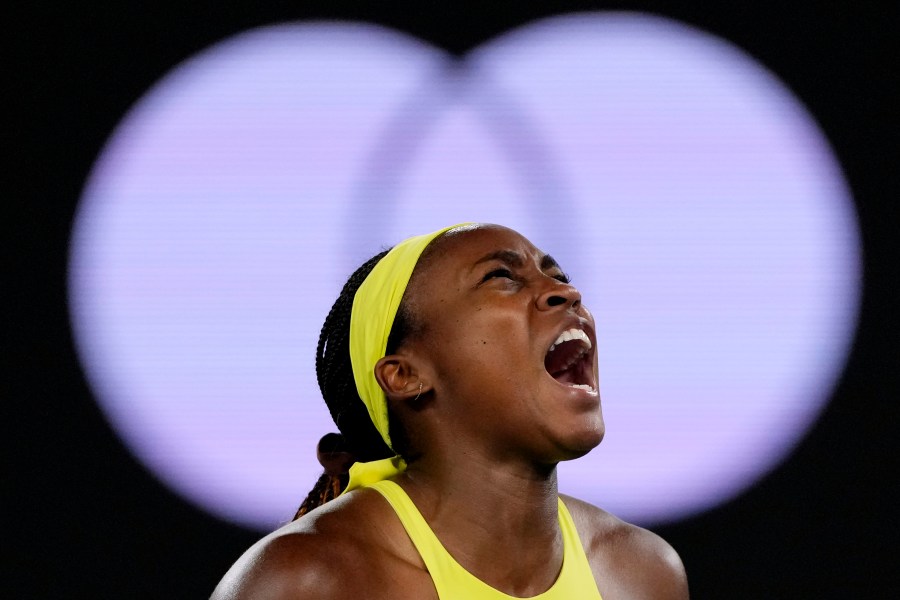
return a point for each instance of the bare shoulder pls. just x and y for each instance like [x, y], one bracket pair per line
[348, 548]
[628, 562]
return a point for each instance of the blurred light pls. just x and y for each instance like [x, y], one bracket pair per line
[690, 195]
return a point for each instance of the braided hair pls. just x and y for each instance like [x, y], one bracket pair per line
[358, 436]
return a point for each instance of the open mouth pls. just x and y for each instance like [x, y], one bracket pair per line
[569, 360]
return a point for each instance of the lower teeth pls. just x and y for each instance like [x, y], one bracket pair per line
[582, 386]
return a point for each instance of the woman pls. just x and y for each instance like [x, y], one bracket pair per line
[469, 354]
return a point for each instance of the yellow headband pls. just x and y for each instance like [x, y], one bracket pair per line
[372, 317]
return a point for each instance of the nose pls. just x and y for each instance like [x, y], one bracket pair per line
[559, 295]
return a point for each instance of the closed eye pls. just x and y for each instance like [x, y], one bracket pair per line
[563, 277]
[501, 273]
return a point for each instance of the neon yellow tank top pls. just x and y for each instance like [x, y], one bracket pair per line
[452, 581]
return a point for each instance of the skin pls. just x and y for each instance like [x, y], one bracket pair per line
[488, 430]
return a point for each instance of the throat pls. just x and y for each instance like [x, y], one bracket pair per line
[519, 553]
[567, 364]
[499, 521]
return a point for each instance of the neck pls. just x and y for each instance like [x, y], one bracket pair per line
[499, 521]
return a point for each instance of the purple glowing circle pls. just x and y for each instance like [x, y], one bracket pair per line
[694, 200]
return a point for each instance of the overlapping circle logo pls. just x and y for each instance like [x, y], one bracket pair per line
[691, 196]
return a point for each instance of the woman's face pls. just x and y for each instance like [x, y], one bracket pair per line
[507, 347]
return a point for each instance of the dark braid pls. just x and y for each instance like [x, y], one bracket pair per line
[328, 487]
[335, 376]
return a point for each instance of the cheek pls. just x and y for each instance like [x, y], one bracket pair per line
[492, 355]
[478, 341]
[464, 352]
[484, 339]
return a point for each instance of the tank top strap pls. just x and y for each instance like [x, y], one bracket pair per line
[452, 581]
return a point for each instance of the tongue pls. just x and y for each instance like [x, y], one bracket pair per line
[556, 361]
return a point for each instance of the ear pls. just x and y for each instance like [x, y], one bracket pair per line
[399, 378]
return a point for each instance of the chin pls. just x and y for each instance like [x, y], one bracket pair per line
[584, 442]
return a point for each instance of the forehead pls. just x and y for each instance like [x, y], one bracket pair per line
[446, 269]
[463, 249]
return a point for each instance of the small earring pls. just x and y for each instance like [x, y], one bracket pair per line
[420, 392]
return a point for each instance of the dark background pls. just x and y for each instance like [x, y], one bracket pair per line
[83, 519]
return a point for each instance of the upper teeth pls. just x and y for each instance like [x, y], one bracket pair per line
[571, 334]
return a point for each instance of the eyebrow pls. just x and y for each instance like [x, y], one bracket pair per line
[515, 259]
[508, 256]
[548, 262]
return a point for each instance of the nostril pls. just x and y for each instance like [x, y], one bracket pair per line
[555, 300]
